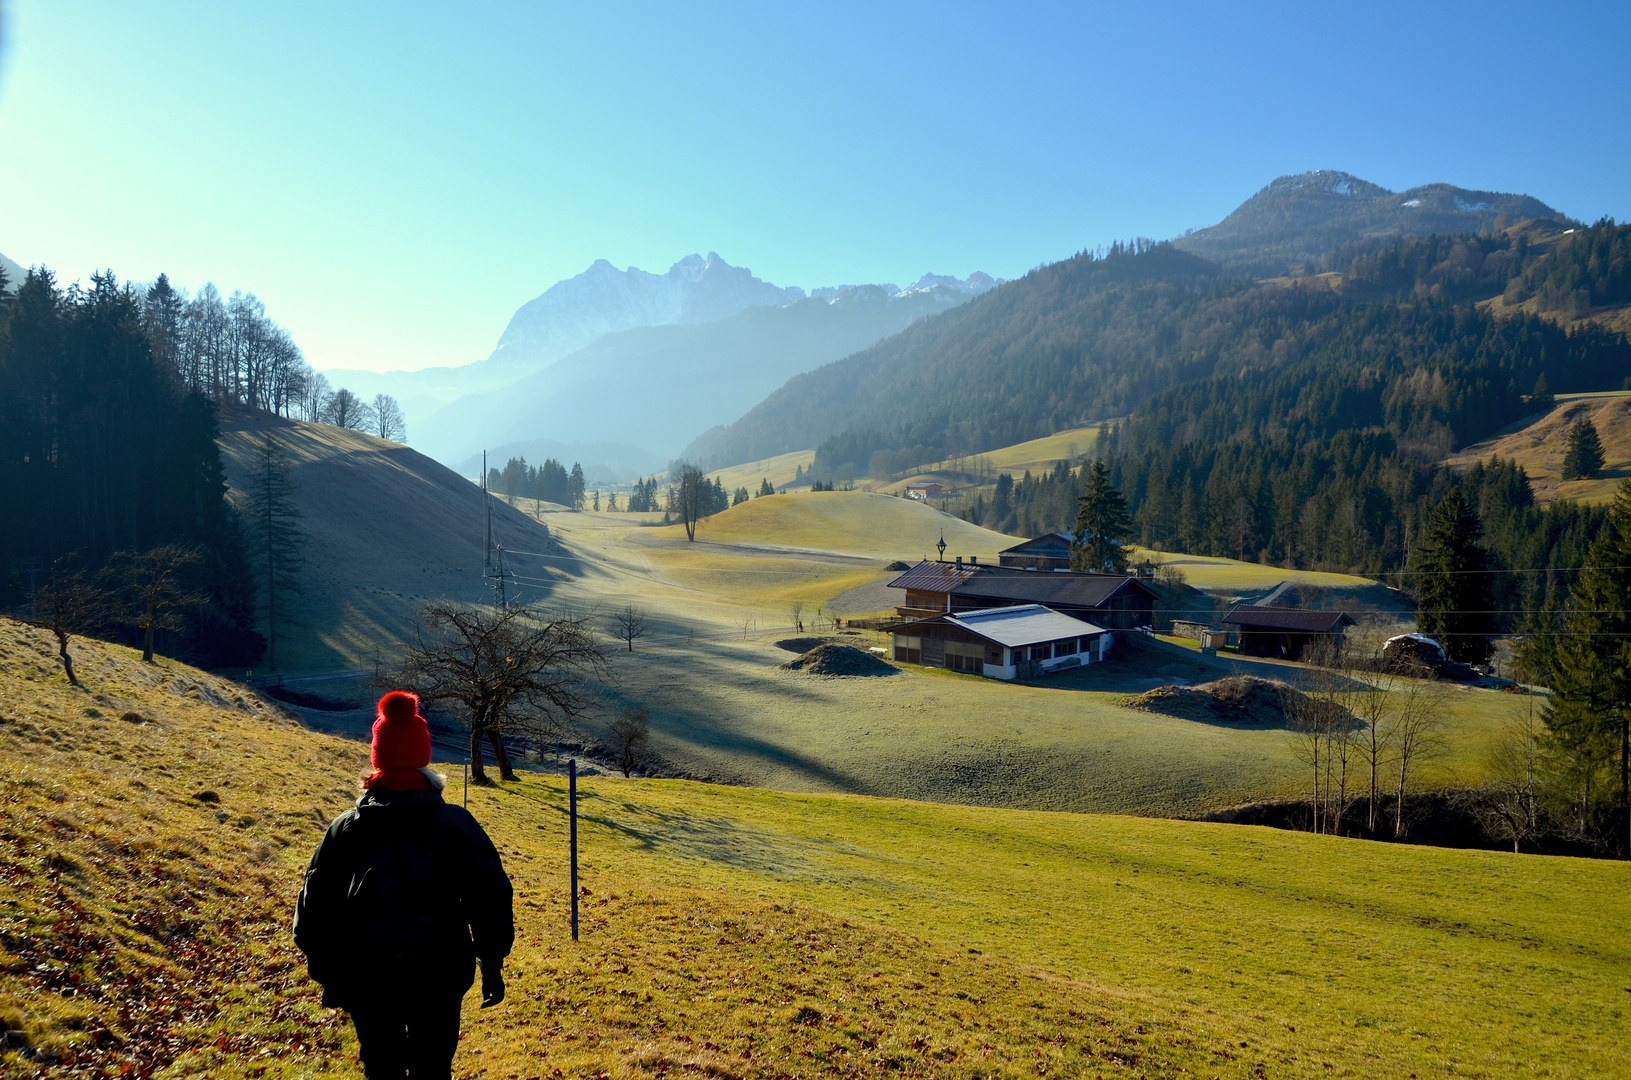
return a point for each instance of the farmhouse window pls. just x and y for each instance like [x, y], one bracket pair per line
[908, 648]
[1066, 648]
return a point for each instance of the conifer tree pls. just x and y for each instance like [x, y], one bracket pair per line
[574, 487]
[1584, 458]
[1541, 395]
[1589, 719]
[275, 536]
[1453, 595]
[1102, 525]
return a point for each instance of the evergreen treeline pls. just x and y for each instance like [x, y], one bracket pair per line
[107, 454]
[549, 482]
[1587, 268]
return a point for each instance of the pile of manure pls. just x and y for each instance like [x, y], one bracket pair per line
[837, 659]
[1236, 699]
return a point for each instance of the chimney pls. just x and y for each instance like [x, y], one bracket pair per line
[959, 562]
[974, 560]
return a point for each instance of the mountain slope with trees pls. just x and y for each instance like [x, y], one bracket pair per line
[1295, 220]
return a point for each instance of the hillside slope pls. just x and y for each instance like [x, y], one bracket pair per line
[386, 530]
[1540, 445]
[155, 826]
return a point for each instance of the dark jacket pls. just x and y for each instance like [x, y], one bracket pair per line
[402, 882]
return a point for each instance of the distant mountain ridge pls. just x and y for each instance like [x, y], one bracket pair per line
[649, 389]
[1295, 219]
[1095, 336]
[576, 311]
[569, 315]
[603, 300]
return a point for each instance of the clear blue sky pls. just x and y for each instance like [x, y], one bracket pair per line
[393, 180]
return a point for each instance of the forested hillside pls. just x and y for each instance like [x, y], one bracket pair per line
[1289, 225]
[1077, 340]
[115, 512]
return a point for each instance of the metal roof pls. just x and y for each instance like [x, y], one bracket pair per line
[1027, 624]
[1294, 620]
[935, 576]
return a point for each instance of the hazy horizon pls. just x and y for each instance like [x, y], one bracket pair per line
[346, 166]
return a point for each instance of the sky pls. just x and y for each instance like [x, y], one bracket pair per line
[393, 180]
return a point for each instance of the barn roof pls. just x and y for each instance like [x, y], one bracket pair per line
[1039, 587]
[1026, 624]
[981, 581]
[1292, 620]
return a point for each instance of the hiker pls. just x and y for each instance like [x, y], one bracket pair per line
[402, 898]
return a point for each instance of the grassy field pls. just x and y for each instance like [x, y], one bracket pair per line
[1540, 445]
[778, 470]
[738, 933]
[1209, 572]
[859, 523]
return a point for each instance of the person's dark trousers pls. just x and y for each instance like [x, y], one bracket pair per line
[413, 1038]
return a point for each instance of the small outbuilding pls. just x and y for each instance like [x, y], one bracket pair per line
[1284, 633]
[1050, 551]
[1017, 642]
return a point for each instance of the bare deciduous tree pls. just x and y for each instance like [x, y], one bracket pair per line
[68, 603]
[1510, 805]
[508, 671]
[1420, 706]
[746, 622]
[154, 588]
[629, 625]
[631, 739]
[388, 422]
[345, 409]
[796, 610]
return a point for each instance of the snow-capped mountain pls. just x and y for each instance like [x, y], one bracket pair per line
[603, 299]
[572, 313]
[669, 381]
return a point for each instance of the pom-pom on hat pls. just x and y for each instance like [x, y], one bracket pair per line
[401, 745]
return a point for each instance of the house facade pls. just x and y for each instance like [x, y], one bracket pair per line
[1012, 642]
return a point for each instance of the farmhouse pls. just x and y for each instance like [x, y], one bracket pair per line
[925, 490]
[1284, 633]
[1014, 642]
[1114, 601]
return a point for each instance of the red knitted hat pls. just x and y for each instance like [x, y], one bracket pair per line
[401, 744]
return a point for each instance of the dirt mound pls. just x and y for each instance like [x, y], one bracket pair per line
[833, 658]
[1237, 699]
